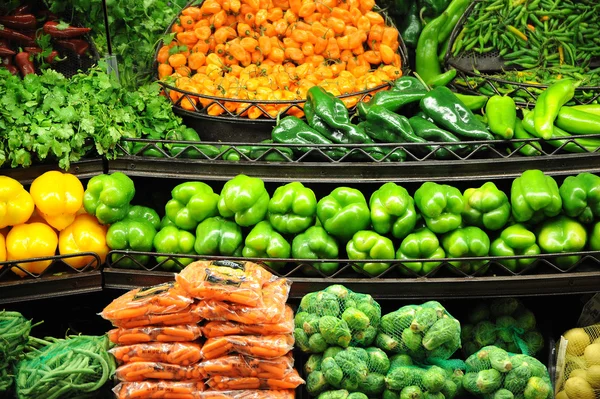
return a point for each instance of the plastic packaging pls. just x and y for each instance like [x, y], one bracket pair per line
[247, 366]
[221, 383]
[159, 390]
[140, 371]
[160, 299]
[181, 353]
[266, 347]
[183, 333]
[248, 394]
[215, 329]
[170, 319]
[235, 282]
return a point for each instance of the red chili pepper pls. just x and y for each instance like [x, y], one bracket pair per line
[64, 31]
[10, 34]
[6, 52]
[11, 68]
[23, 22]
[33, 50]
[23, 9]
[53, 57]
[76, 45]
[24, 63]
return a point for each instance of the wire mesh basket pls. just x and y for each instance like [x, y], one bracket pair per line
[483, 69]
[56, 266]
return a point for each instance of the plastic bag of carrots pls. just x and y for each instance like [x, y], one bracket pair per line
[235, 282]
[140, 371]
[157, 300]
[181, 353]
[271, 311]
[128, 336]
[220, 383]
[215, 329]
[248, 394]
[169, 319]
[246, 366]
[159, 390]
[266, 346]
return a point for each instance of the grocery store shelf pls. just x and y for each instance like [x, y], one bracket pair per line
[82, 169]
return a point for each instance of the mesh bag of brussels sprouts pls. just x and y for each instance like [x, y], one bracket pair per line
[423, 332]
[342, 394]
[579, 376]
[336, 316]
[351, 369]
[504, 323]
[495, 373]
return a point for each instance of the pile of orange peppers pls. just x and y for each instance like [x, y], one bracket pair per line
[48, 218]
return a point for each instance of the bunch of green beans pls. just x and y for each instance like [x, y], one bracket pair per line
[14, 335]
[534, 33]
[76, 367]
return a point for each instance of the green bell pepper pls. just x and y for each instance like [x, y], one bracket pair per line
[244, 198]
[191, 203]
[405, 90]
[467, 242]
[581, 197]
[430, 132]
[548, 105]
[171, 240]
[315, 243]
[422, 244]
[134, 235]
[441, 206]
[448, 112]
[392, 210]
[595, 238]
[264, 242]
[194, 149]
[292, 130]
[486, 207]
[367, 244]
[144, 213]
[218, 236]
[165, 221]
[534, 196]
[501, 112]
[515, 240]
[411, 26]
[293, 208]
[142, 149]
[562, 234]
[343, 212]
[108, 196]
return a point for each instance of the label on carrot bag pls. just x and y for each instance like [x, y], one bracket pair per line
[221, 280]
[146, 292]
[231, 264]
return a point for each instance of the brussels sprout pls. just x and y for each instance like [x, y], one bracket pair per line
[389, 394]
[316, 383]
[424, 318]
[357, 395]
[442, 331]
[325, 304]
[374, 384]
[411, 392]
[393, 323]
[401, 377]
[537, 388]
[335, 331]
[439, 309]
[481, 312]
[501, 344]
[350, 383]
[516, 379]
[317, 343]
[478, 361]
[353, 364]
[378, 361]
[534, 341]
[372, 311]
[506, 328]
[489, 380]
[313, 364]
[470, 348]
[411, 339]
[300, 318]
[338, 290]
[469, 382]
[498, 359]
[400, 360]
[355, 319]
[437, 395]
[503, 394]
[485, 333]
[339, 394]
[332, 351]
[466, 332]
[526, 320]
[307, 303]
[450, 389]
[364, 337]
[433, 379]
[503, 306]
[387, 343]
[332, 372]
[301, 340]
[311, 324]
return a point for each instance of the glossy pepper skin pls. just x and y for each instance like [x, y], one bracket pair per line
[581, 197]
[259, 153]
[16, 204]
[58, 197]
[562, 234]
[31, 240]
[134, 235]
[108, 196]
[501, 112]
[218, 236]
[264, 242]
[515, 240]
[531, 148]
[389, 127]
[404, 90]
[422, 244]
[486, 207]
[411, 26]
[244, 198]
[534, 196]
[144, 213]
[85, 234]
[448, 112]
[427, 64]
[191, 203]
[433, 8]
[392, 210]
[441, 206]
[293, 208]
[343, 212]
[548, 105]
[576, 121]
[172, 240]
[315, 243]
[193, 150]
[367, 244]
[467, 242]
[595, 238]
[430, 132]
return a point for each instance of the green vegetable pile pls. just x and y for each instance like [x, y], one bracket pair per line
[14, 336]
[505, 323]
[494, 373]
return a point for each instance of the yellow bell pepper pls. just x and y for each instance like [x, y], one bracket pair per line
[2, 248]
[16, 204]
[58, 197]
[34, 240]
[85, 234]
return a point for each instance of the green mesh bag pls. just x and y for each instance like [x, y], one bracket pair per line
[14, 334]
[504, 323]
[342, 394]
[495, 373]
[336, 316]
[360, 370]
[420, 331]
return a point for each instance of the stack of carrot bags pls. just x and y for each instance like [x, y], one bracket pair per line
[238, 307]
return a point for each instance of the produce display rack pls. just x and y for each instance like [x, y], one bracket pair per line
[83, 169]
